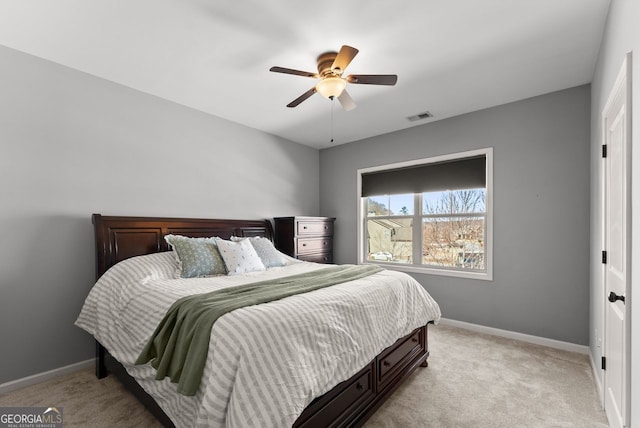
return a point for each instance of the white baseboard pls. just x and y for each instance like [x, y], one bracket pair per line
[551, 343]
[41, 377]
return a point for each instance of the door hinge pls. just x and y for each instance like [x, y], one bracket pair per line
[604, 363]
[604, 150]
[604, 257]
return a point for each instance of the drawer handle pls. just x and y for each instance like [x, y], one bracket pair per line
[414, 340]
[359, 386]
[304, 245]
[326, 227]
[304, 227]
[325, 243]
[386, 363]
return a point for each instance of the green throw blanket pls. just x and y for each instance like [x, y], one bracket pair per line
[179, 346]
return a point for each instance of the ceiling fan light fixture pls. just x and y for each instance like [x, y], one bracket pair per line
[330, 87]
[331, 66]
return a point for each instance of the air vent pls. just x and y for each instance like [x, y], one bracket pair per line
[420, 116]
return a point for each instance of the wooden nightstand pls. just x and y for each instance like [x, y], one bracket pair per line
[305, 238]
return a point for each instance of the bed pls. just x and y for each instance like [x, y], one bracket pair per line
[347, 399]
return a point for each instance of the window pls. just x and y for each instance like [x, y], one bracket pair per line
[389, 226]
[431, 215]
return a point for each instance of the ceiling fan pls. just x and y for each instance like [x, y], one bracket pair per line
[331, 66]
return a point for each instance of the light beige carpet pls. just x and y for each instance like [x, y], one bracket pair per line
[476, 380]
[473, 380]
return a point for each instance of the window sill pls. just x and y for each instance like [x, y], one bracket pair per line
[483, 276]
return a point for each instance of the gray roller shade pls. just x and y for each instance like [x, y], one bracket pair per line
[467, 173]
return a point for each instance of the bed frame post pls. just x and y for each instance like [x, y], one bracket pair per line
[101, 367]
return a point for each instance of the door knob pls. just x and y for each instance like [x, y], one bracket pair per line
[613, 297]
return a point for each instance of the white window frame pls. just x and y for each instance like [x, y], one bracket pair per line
[487, 274]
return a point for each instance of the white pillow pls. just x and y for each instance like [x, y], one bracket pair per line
[239, 257]
[269, 255]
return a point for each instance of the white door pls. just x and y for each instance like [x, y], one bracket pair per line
[616, 123]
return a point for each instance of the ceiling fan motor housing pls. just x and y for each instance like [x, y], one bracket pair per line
[325, 61]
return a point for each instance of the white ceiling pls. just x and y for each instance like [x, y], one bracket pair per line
[451, 56]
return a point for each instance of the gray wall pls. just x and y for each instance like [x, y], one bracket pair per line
[71, 145]
[622, 35]
[541, 210]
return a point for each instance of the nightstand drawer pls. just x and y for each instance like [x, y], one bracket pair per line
[313, 245]
[315, 228]
[317, 258]
[305, 238]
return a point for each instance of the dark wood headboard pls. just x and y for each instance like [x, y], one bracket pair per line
[118, 238]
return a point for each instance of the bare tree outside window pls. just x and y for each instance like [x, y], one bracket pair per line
[376, 208]
[453, 228]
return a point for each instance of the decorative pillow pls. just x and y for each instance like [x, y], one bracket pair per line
[239, 257]
[266, 251]
[196, 256]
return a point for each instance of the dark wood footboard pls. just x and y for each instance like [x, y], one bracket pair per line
[348, 404]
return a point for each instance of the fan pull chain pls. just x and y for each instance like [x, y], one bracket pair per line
[333, 101]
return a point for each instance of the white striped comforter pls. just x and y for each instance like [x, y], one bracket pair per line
[267, 362]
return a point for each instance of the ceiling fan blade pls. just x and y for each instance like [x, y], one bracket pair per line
[346, 101]
[373, 79]
[292, 71]
[344, 58]
[302, 97]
